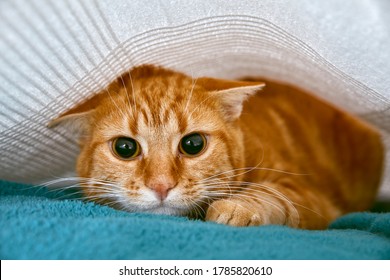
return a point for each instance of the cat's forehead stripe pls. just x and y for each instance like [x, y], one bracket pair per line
[158, 111]
[172, 102]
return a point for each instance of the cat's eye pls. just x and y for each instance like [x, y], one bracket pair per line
[192, 144]
[126, 148]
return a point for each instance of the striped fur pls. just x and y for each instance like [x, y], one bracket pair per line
[285, 157]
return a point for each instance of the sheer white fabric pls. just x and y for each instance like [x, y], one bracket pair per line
[55, 53]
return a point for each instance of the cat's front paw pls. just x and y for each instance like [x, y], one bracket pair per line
[233, 212]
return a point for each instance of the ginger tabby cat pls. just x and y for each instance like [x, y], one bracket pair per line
[161, 142]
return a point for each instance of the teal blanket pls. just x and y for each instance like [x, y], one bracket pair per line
[41, 224]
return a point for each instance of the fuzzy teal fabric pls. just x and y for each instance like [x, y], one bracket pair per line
[40, 224]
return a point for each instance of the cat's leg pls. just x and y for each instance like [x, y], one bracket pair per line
[279, 204]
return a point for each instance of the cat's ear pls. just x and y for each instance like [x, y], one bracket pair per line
[232, 94]
[78, 123]
[232, 99]
[78, 118]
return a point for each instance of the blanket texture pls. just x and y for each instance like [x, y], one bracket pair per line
[40, 224]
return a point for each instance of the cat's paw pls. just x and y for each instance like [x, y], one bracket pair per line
[233, 212]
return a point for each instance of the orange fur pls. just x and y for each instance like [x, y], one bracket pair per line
[283, 157]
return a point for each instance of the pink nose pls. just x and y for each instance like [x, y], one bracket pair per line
[162, 190]
[161, 186]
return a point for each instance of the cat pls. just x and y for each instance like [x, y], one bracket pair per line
[241, 153]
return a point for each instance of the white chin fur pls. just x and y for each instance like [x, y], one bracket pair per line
[149, 203]
[164, 210]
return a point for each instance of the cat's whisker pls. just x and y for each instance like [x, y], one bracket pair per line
[190, 95]
[193, 205]
[240, 184]
[198, 106]
[241, 197]
[247, 197]
[210, 205]
[223, 173]
[222, 194]
[274, 192]
[60, 195]
[70, 187]
[247, 170]
[102, 196]
[217, 177]
[79, 185]
[38, 187]
[132, 89]
[246, 192]
[72, 179]
[113, 102]
[126, 91]
[102, 189]
[132, 105]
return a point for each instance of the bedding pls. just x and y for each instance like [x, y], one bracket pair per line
[37, 223]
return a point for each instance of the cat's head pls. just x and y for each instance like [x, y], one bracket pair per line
[159, 141]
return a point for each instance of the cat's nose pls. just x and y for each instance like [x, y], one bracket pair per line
[162, 190]
[161, 186]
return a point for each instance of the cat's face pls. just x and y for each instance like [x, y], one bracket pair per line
[160, 142]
